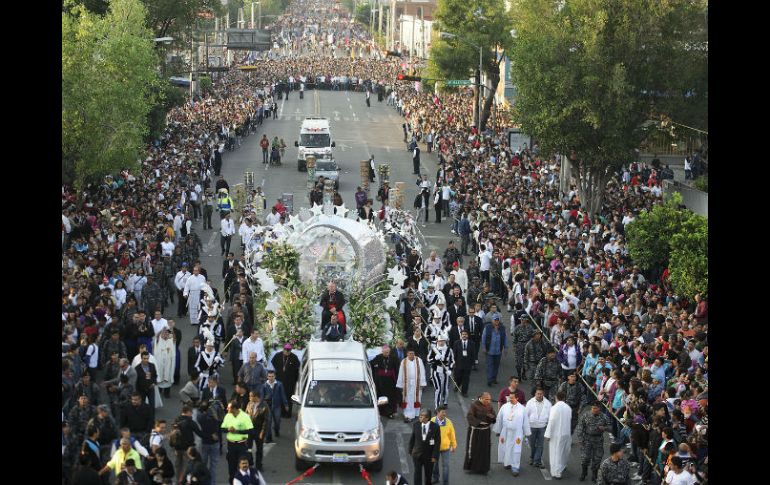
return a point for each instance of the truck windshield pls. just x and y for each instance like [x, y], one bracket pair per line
[338, 394]
[325, 165]
[315, 140]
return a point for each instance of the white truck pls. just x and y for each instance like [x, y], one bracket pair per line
[314, 139]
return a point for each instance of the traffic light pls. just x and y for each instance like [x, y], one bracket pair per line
[402, 77]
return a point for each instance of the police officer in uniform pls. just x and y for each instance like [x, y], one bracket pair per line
[575, 392]
[548, 372]
[152, 295]
[591, 428]
[521, 335]
[615, 470]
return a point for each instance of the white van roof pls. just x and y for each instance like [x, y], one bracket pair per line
[312, 124]
[337, 370]
[336, 350]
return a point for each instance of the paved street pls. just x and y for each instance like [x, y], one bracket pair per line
[358, 132]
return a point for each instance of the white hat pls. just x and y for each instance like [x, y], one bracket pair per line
[442, 336]
[209, 343]
[605, 326]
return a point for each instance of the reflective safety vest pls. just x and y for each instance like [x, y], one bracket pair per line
[225, 203]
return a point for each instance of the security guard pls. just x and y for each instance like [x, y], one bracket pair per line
[615, 470]
[237, 424]
[548, 372]
[224, 203]
[591, 428]
[521, 335]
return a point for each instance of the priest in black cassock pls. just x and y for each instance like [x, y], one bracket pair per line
[286, 365]
[385, 370]
[481, 416]
[331, 301]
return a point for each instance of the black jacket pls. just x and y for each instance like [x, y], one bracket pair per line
[189, 429]
[464, 362]
[137, 419]
[219, 393]
[143, 384]
[424, 450]
[210, 428]
[192, 357]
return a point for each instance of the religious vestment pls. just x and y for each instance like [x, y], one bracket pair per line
[512, 425]
[411, 380]
[559, 433]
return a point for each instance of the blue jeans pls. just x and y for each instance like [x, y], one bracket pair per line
[274, 424]
[210, 459]
[444, 459]
[536, 445]
[493, 365]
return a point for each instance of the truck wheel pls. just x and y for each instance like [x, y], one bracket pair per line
[375, 466]
[300, 465]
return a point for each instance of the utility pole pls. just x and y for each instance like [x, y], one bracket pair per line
[260, 15]
[379, 19]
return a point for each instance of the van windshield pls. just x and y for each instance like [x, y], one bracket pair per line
[315, 140]
[338, 394]
[325, 165]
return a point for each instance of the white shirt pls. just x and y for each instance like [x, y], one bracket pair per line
[167, 248]
[227, 227]
[486, 257]
[158, 325]
[180, 279]
[67, 226]
[246, 232]
[272, 219]
[538, 412]
[248, 346]
[684, 478]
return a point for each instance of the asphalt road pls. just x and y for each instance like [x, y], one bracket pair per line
[358, 132]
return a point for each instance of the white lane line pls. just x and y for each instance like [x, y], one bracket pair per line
[280, 111]
[387, 148]
[463, 406]
[402, 454]
[207, 246]
[546, 474]
[351, 107]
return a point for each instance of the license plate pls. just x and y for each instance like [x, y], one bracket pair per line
[340, 458]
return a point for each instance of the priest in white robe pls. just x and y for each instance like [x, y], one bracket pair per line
[559, 435]
[411, 381]
[512, 426]
[192, 291]
[165, 353]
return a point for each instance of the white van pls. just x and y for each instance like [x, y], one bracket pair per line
[315, 139]
[338, 420]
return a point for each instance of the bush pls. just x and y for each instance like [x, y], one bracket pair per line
[702, 183]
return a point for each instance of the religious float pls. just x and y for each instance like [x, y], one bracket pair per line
[289, 265]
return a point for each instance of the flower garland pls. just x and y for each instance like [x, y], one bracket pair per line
[294, 321]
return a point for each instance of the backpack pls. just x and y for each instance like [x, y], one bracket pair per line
[216, 410]
[175, 437]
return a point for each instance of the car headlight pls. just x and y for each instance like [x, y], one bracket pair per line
[309, 434]
[371, 435]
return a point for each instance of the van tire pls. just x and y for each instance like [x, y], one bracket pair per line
[375, 466]
[299, 464]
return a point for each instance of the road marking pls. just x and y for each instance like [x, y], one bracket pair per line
[207, 246]
[280, 111]
[402, 454]
[351, 107]
[546, 474]
[387, 148]
[463, 406]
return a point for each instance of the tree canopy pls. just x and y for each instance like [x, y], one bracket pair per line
[486, 24]
[109, 86]
[673, 237]
[590, 73]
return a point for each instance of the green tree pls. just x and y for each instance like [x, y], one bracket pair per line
[649, 234]
[674, 237]
[590, 73]
[688, 260]
[174, 18]
[109, 86]
[486, 24]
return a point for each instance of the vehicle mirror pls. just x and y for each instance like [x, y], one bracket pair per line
[296, 143]
[334, 144]
[381, 401]
[295, 398]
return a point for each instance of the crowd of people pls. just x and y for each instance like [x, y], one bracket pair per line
[586, 325]
[584, 319]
